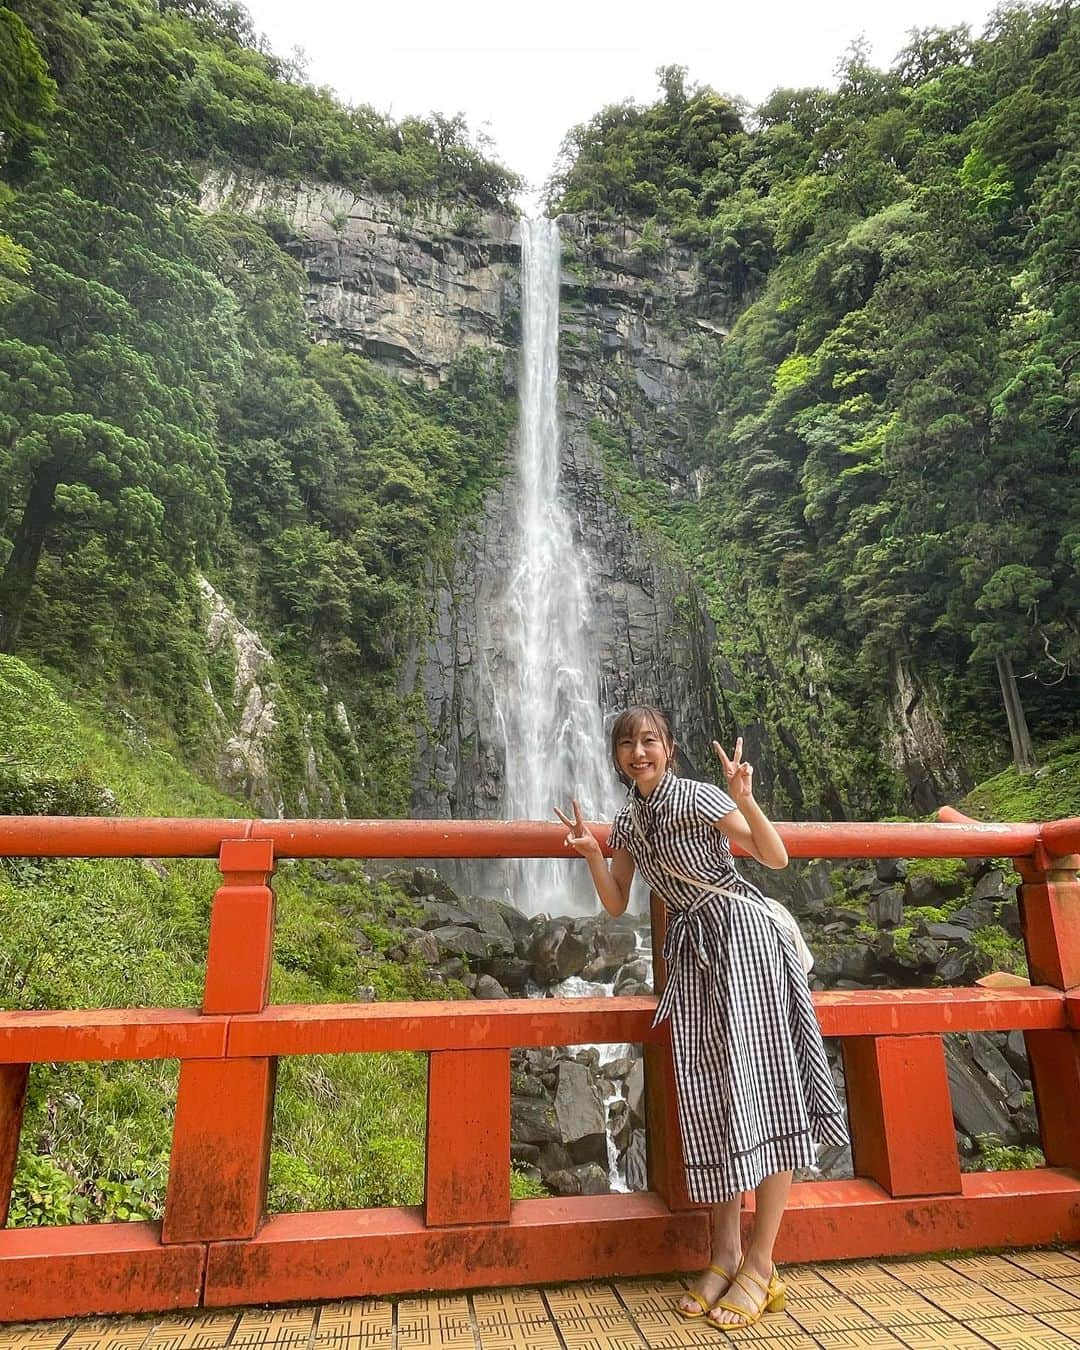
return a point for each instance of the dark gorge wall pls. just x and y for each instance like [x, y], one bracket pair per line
[409, 289]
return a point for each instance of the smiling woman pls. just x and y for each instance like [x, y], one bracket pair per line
[755, 1094]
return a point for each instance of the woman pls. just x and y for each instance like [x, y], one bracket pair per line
[754, 1087]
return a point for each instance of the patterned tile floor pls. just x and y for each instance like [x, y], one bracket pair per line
[1024, 1300]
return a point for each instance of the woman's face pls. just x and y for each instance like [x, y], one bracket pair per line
[643, 756]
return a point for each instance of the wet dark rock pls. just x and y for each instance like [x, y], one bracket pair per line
[637, 1176]
[978, 1107]
[554, 1158]
[455, 940]
[1015, 1052]
[634, 970]
[601, 968]
[635, 1092]
[533, 1121]
[486, 987]
[588, 1179]
[619, 1125]
[424, 946]
[579, 1111]
[886, 910]
[991, 886]
[948, 932]
[616, 1069]
[956, 966]
[890, 869]
[557, 953]
[1009, 918]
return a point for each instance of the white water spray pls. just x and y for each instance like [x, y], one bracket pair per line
[549, 700]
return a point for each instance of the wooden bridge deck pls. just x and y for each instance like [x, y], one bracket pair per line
[1018, 1300]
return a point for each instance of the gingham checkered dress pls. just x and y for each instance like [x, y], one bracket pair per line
[754, 1087]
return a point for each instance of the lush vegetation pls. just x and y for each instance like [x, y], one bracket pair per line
[162, 411]
[127, 933]
[890, 430]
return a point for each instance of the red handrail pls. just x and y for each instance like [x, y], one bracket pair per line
[160, 837]
[215, 1245]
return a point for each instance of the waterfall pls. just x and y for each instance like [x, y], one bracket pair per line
[548, 702]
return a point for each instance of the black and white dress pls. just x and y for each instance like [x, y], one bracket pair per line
[754, 1087]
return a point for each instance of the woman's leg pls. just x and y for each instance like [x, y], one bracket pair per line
[726, 1255]
[771, 1199]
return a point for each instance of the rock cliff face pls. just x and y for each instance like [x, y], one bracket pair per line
[409, 290]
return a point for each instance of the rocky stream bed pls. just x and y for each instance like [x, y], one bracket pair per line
[577, 1113]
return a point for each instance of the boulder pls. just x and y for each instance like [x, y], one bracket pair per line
[525, 1153]
[857, 962]
[510, 971]
[579, 1111]
[486, 987]
[977, 1107]
[631, 989]
[554, 1158]
[924, 890]
[993, 1063]
[1009, 918]
[957, 965]
[890, 869]
[455, 940]
[557, 953]
[634, 970]
[533, 1121]
[886, 910]
[602, 968]
[948, 932]
[991, 886]
[616, 1069]
[424, 946]
[588, 1179]
[1015, 1052]
[618, 1124]
[635, 1092]
[637, 1175]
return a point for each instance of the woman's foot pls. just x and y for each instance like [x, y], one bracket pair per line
[750, 1294]
[710, 1286]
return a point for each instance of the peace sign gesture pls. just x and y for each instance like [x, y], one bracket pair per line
[579, 837]
[739, 775]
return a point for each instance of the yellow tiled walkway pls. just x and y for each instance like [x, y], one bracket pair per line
[1026, 1300]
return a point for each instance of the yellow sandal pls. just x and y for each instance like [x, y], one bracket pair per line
[775, 1300]
[702, 1305]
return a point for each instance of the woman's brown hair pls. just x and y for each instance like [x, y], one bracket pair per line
[629, 723]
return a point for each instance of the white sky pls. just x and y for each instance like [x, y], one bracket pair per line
[523, 78]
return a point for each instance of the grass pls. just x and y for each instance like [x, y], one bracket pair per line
[348, 1129]
[1052, 792]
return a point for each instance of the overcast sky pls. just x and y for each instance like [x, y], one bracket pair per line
[523, 77]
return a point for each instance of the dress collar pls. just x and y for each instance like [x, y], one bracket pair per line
[659, 793]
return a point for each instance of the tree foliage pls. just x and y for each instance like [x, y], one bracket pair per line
[895, 443]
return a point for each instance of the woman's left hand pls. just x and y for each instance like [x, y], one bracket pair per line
[739, 775]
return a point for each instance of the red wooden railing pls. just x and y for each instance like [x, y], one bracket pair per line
[215, 1246]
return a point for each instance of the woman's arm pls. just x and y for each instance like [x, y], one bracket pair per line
[612, 883]
[748, 825]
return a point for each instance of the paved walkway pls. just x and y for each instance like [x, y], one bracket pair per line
[1026, 1300]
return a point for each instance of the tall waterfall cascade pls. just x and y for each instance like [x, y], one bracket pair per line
[548, 697]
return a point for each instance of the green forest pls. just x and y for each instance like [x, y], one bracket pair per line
[891, 440]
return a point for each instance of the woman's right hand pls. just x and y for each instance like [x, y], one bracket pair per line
[579, 837]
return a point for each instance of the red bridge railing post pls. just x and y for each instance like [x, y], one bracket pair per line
[663, 1141]
[13, 1081]
[468, 1137]
[900, 1114]
[224, 1108]
[1050, 919]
